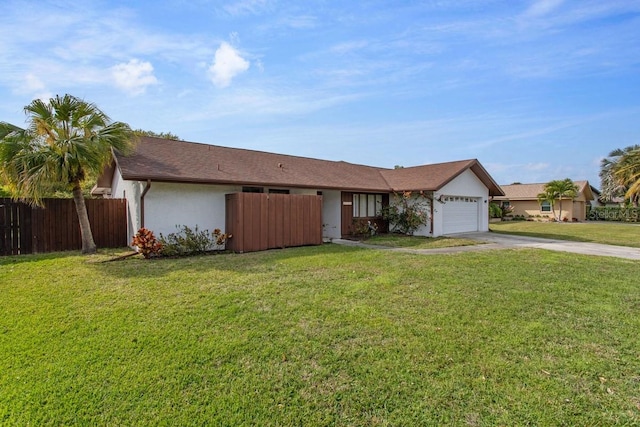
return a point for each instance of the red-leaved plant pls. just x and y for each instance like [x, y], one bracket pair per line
[220, 237]
[147, 243]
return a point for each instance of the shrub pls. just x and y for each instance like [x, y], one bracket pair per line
[363, 227]
[495, 211]
[614, 213]
[407, 214]
[189, 241]
[147, 243]
[507, 211]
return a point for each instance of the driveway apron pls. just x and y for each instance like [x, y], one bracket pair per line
[585, 248]
[493, 241]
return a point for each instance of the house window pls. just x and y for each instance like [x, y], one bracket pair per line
[278, 191]
[367, 205]
[252, 190]
[506, 204]
[545, 206]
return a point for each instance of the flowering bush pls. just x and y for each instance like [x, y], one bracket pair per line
[507, 210]
[146, 243]
[407, 213]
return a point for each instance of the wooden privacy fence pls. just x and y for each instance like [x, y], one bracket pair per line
[260, 221]
[25, 229]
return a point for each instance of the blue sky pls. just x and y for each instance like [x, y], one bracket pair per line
[535, 89]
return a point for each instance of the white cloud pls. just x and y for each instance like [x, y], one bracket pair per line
[261, 102]
[134, 76]
[542, 7]
[348, 47]
[226, 65]
[300, 22]
[245, 7]
[32, 83]
[36, 88]
[536, 166]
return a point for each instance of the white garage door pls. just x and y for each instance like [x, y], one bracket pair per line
[460, 214]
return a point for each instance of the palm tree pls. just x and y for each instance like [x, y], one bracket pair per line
[558, 189]
[547, 196]
[66, 138]
[611, 185]
[627, 174]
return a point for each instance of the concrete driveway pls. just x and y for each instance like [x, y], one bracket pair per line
[504, 241]
[586, 248]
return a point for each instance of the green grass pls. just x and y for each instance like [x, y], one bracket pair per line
[417, 242]
[611, 233]
[328, 335]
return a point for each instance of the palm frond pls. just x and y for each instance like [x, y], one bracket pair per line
[66, 138]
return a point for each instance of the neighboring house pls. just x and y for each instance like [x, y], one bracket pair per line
[599, 201]
[524, 200]
[596, 197]
[614, 202]
[169, 183]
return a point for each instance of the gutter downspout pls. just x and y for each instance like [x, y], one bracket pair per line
[433, 201]
[144, 192]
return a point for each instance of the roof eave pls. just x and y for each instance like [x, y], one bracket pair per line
[181, 180]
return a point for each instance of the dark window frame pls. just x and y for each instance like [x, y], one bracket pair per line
[250, 189]
[372, 205]
[545, 204]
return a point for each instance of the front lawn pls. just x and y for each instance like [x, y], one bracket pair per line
[417, 242]
[328, 335]
[611, 233]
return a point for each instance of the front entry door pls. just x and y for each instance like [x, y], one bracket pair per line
[347, 214]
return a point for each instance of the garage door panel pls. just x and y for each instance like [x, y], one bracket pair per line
[460, 214]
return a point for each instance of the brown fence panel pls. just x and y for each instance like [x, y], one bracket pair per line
[266, 221]
[110, 219]
[55, 227]
[15, 227]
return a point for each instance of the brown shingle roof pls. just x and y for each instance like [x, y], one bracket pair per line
[434, 177]
[179, 161]
[531, 191]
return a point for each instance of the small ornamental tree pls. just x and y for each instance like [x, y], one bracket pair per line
[407, 213]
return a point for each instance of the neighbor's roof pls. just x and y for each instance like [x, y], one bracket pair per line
[531, 191]
[166, 160]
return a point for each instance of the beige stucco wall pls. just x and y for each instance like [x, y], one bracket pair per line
[527, 208]
[532, 208]
[579, 210]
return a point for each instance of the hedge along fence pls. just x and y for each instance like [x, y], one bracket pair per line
[614, 213]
